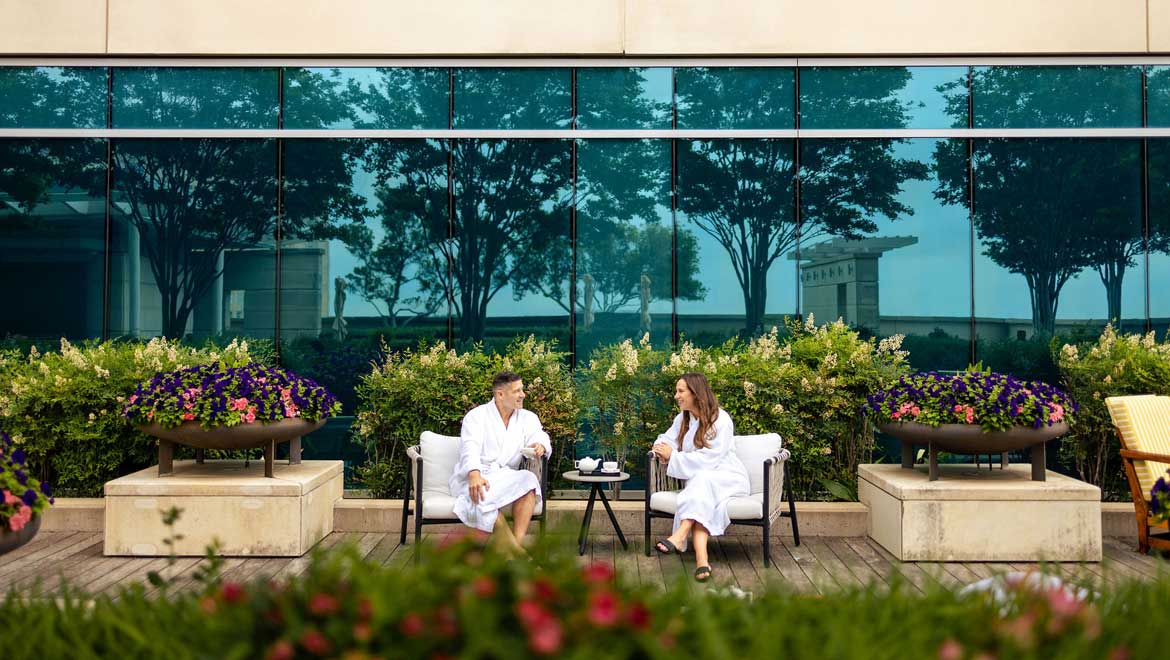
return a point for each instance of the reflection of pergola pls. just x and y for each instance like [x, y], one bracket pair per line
[839, 278]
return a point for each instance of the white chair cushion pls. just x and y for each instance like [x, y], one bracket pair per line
[442, 505]
[440, 455]
[753, 450]
[739, 508]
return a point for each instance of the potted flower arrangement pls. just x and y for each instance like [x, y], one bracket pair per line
[24, 499]
[972, 412]
[212, 407]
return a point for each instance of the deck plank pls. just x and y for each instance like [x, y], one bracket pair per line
[785, 569]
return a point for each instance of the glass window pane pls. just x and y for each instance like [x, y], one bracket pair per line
[53, 97]
[1057, 96]
[881, 251]
[735, 196]
[195, 98]
[510, 252]
[1059, 245]
[624, 240]
[735, 97]
[1158, 95]
[615, 97]
[362, 260]
[1159, 243]
[193, 249]
[883, 97]
[513, 98]
[374, 98]
[52, 238]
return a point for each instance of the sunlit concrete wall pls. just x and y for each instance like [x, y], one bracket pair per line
[593, 27]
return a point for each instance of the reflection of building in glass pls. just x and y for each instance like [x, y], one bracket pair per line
[839, 278]
[54, 263]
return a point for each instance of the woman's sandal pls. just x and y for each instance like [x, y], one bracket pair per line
[702, 573]
[671, 549]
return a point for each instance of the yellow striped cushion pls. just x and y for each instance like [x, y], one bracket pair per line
[1144, 421]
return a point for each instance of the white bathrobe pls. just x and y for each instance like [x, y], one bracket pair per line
[493, 449]
[713, 474]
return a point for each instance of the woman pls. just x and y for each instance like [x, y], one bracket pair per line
[699, 447]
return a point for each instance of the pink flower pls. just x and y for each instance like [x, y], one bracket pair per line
[240, 404]
[188, 406]
[546, 640]
[896, 415]
[187, 396]
[248, 417]
[950, 650]
[20, 518]
[188, 417]
[9, 498]
[958, 408]
[150, 414]
[262, 379]
[915, 410]
[604, 609]
[286, 393]
[970, 416]
[133, 398]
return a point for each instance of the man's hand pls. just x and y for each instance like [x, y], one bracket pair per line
[537, 449]
[663, 452]
[477, 486]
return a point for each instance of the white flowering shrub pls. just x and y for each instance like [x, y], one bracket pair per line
[805, 382]
[433, 387]
[64, 407]
[1114, 365]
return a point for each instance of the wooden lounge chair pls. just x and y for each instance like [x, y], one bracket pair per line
[1143, 424]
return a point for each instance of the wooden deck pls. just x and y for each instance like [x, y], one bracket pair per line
[819, 564]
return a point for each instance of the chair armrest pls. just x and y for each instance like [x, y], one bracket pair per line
[1145, 456]
[775, 472]
[414, 453]
[656, 478]
[539, 467]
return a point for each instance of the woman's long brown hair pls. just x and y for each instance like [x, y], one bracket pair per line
[708, 410]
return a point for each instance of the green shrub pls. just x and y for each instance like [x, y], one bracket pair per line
[433, 387]
[1113, 365]
[64, 409]
[461, 601]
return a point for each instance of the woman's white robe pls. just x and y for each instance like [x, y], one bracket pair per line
[713, 474]
[493, 449]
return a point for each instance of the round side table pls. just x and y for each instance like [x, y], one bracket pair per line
[597, 490]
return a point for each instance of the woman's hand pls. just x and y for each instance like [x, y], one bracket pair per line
[663, 452]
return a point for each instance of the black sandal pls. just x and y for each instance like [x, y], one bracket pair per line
[671, 549]
[702, 573]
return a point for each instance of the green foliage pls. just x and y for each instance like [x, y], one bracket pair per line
[1114, 365]
[432, 388]
[65, 408]
[808, 385]
[463, 601]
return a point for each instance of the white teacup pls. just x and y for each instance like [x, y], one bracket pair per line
[609, 466]
[586, 464]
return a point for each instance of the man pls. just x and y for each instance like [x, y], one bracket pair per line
[494, 440]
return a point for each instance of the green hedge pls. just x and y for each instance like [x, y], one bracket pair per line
[463, 601]
[64, 408]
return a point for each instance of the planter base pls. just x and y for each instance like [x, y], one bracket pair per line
[977, 515]
[250, 515]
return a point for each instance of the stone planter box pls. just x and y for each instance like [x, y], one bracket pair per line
[972, 440]
[976, 515]
[251, 515]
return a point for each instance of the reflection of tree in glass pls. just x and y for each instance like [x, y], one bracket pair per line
[195, 200]
[1048, 209]
[739, 192]
[620, 234]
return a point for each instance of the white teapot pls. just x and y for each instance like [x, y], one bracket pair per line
[586, 464]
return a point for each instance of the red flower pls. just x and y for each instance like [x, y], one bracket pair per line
[362, 632]
[604, 609]
[544, 590]
[484, 586]
[321, 604]
[412, 625]
[231, 592]
[281, 649]
[950, 650]
[546, 639]
[531, 614]
[208, 605]
[446, 624]
[314, 642]
[365, 608]
[598, 573]
[638, 616]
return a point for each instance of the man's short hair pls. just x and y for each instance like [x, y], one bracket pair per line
[504, 378]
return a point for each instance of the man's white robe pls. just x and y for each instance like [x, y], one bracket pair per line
[493, 449]
[713, 474]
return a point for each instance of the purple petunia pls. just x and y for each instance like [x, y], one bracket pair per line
[29, 497]
[19, 457]
[46, 489]
[20, 476]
